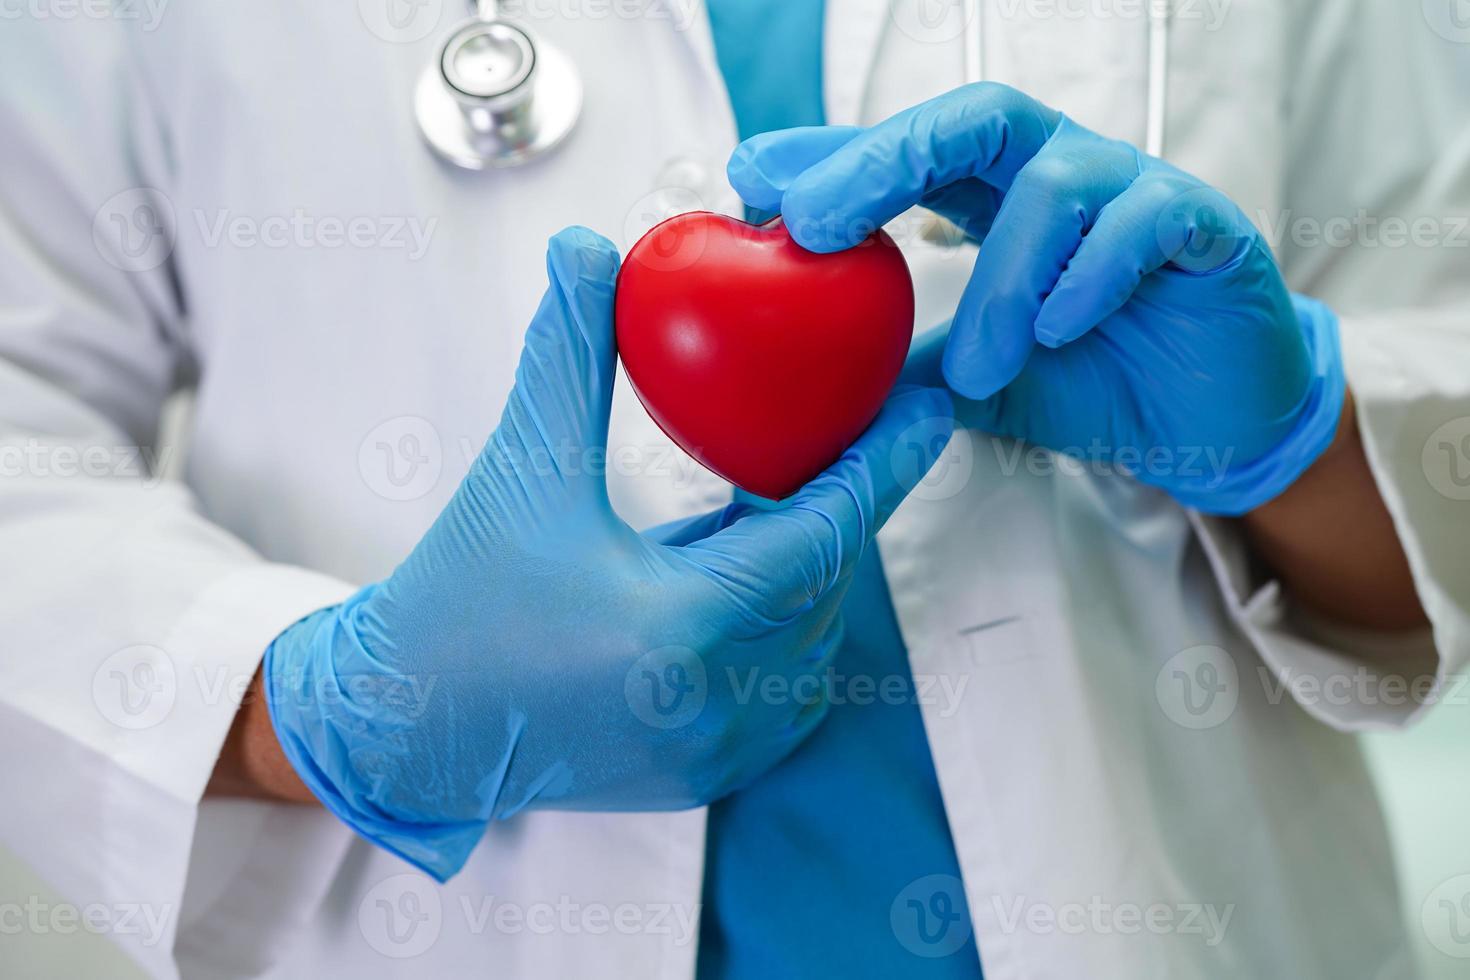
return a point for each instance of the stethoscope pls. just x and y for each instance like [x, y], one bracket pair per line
[496, 96]
[941, 231]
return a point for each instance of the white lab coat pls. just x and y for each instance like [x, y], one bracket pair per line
[343, 390]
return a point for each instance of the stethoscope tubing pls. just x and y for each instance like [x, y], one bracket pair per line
[1156, 112]
[1158, 65]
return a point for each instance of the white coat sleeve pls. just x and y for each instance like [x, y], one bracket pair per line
[129, 623]
[1377, 224]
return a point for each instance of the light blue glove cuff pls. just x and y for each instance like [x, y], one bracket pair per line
[1246, 487]
[334, 752]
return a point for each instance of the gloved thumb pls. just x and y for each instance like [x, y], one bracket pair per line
[553, 435]
[786, 559]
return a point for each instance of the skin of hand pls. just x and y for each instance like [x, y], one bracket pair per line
[1118, 305]
[1331, 540]
[251, 763]
[534, 609]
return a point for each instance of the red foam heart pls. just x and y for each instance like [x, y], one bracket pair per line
[760, 359]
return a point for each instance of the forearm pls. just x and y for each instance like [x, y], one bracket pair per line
[1330, 540]
[251, 763]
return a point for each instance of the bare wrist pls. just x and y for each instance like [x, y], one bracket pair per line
[251, 763]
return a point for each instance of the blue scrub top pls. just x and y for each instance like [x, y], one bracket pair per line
[838, 862]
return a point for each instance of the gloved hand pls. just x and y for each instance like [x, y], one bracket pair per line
[533, 651]
[1120, 309]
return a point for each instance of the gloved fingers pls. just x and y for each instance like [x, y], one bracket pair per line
[985, 131]
[809, 716]
[1200, 229]
[1052, 203]
[1162, 215]
[555, 422]
[971, 204]
[811, 677]
[812, 683]
[787, 559]
[677, 534]
[807, 681]
[770, 746]
[762, 167]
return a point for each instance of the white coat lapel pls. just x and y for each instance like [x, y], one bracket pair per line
[690, 20]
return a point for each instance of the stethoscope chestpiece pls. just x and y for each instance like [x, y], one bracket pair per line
[495, 97]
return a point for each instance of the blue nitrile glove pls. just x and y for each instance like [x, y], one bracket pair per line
[533, 651]
[1120, 309]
